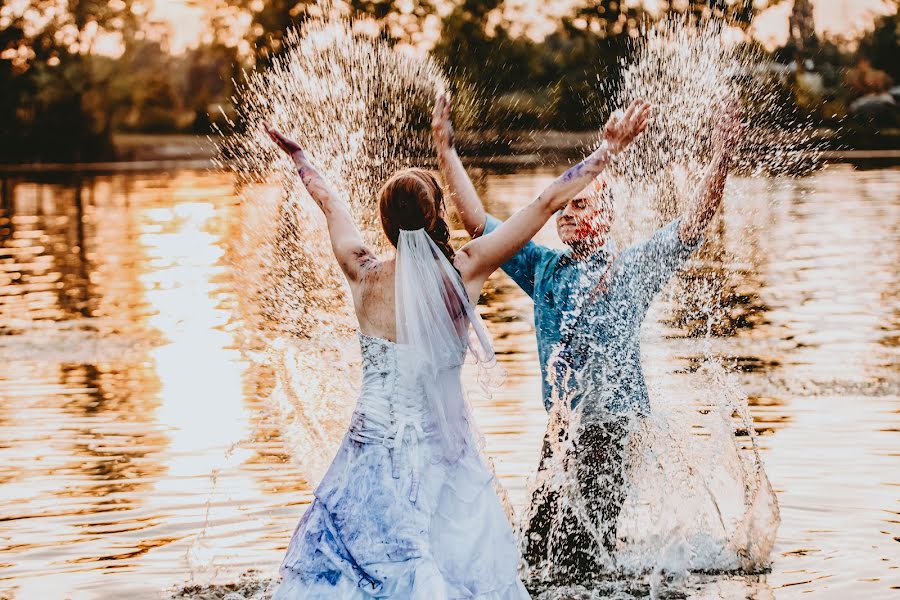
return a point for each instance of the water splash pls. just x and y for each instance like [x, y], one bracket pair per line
[361, 110]
[687, 71]
[681, 489]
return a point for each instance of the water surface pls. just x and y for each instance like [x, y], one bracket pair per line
[135, 455]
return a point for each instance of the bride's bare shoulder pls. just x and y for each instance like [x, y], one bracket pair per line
[464, 261]
[378, 271]
[374, 300]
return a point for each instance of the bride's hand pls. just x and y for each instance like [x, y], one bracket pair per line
[441, 127]
[621, 128]
[289, 146]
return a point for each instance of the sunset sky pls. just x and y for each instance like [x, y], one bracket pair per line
[186, 18]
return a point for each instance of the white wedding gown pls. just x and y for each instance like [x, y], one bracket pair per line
[391, 518]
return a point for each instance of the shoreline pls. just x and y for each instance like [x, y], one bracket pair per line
[882, 157]
[159, 152]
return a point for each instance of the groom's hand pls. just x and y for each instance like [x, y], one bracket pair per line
[441, 126]
[729, 128]
[622, 128]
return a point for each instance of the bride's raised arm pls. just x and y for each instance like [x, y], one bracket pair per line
[483, 255]
[346, 241]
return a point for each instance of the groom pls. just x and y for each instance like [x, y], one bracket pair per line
[589, 302]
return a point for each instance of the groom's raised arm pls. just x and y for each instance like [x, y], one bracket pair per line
[661, 256]
[462, 192]
[619, 131]
[727, 136]
[492, 250]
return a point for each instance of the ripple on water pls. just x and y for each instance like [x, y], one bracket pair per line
[84, 446]
[146, 439]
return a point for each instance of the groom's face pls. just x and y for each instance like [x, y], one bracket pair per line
[586, 218]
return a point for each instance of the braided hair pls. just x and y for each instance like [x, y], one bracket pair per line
[412, 199]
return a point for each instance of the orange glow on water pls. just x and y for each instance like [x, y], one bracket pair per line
[121, 392]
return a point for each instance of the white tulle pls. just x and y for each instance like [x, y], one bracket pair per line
[436, 319]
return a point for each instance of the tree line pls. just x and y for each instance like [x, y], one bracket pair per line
[62, 98]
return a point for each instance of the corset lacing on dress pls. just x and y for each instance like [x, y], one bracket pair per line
[391, 406]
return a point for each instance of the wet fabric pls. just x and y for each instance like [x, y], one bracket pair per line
[437, 321]
[569, 531]
[599, 302]
[392, 518]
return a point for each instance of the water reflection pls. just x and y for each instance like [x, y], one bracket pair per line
[121, 391]
[135, 451]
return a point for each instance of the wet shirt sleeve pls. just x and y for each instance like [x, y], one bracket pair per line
[522, 266]
[657, 259]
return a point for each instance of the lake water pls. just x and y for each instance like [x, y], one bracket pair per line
[135, 455]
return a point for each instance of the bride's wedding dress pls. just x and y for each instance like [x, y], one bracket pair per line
[407, 510]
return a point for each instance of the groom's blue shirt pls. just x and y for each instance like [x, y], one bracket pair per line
[599, 326]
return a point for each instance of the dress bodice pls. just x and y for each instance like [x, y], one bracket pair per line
[392, 408]
[388, 371]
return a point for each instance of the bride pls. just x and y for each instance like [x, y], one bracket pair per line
[407, 508]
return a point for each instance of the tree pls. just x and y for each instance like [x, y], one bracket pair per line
[464, 39]
[54, 96]
[802, 30]
[205, 79]
[400, 21]
[270, 24]
[881, 46]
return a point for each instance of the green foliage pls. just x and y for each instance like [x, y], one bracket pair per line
[544, 83]
[882, 45]
[270, 24]
[55, 91]
[59, 100]
[206, 77]
[842, 75]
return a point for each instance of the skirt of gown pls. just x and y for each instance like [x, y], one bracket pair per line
[392, 520]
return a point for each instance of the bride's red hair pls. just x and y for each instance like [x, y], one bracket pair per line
[413, 199]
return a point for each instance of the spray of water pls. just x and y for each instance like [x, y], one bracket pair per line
[679, 488]
[361, 110]
[687, 71]
[696, 500]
